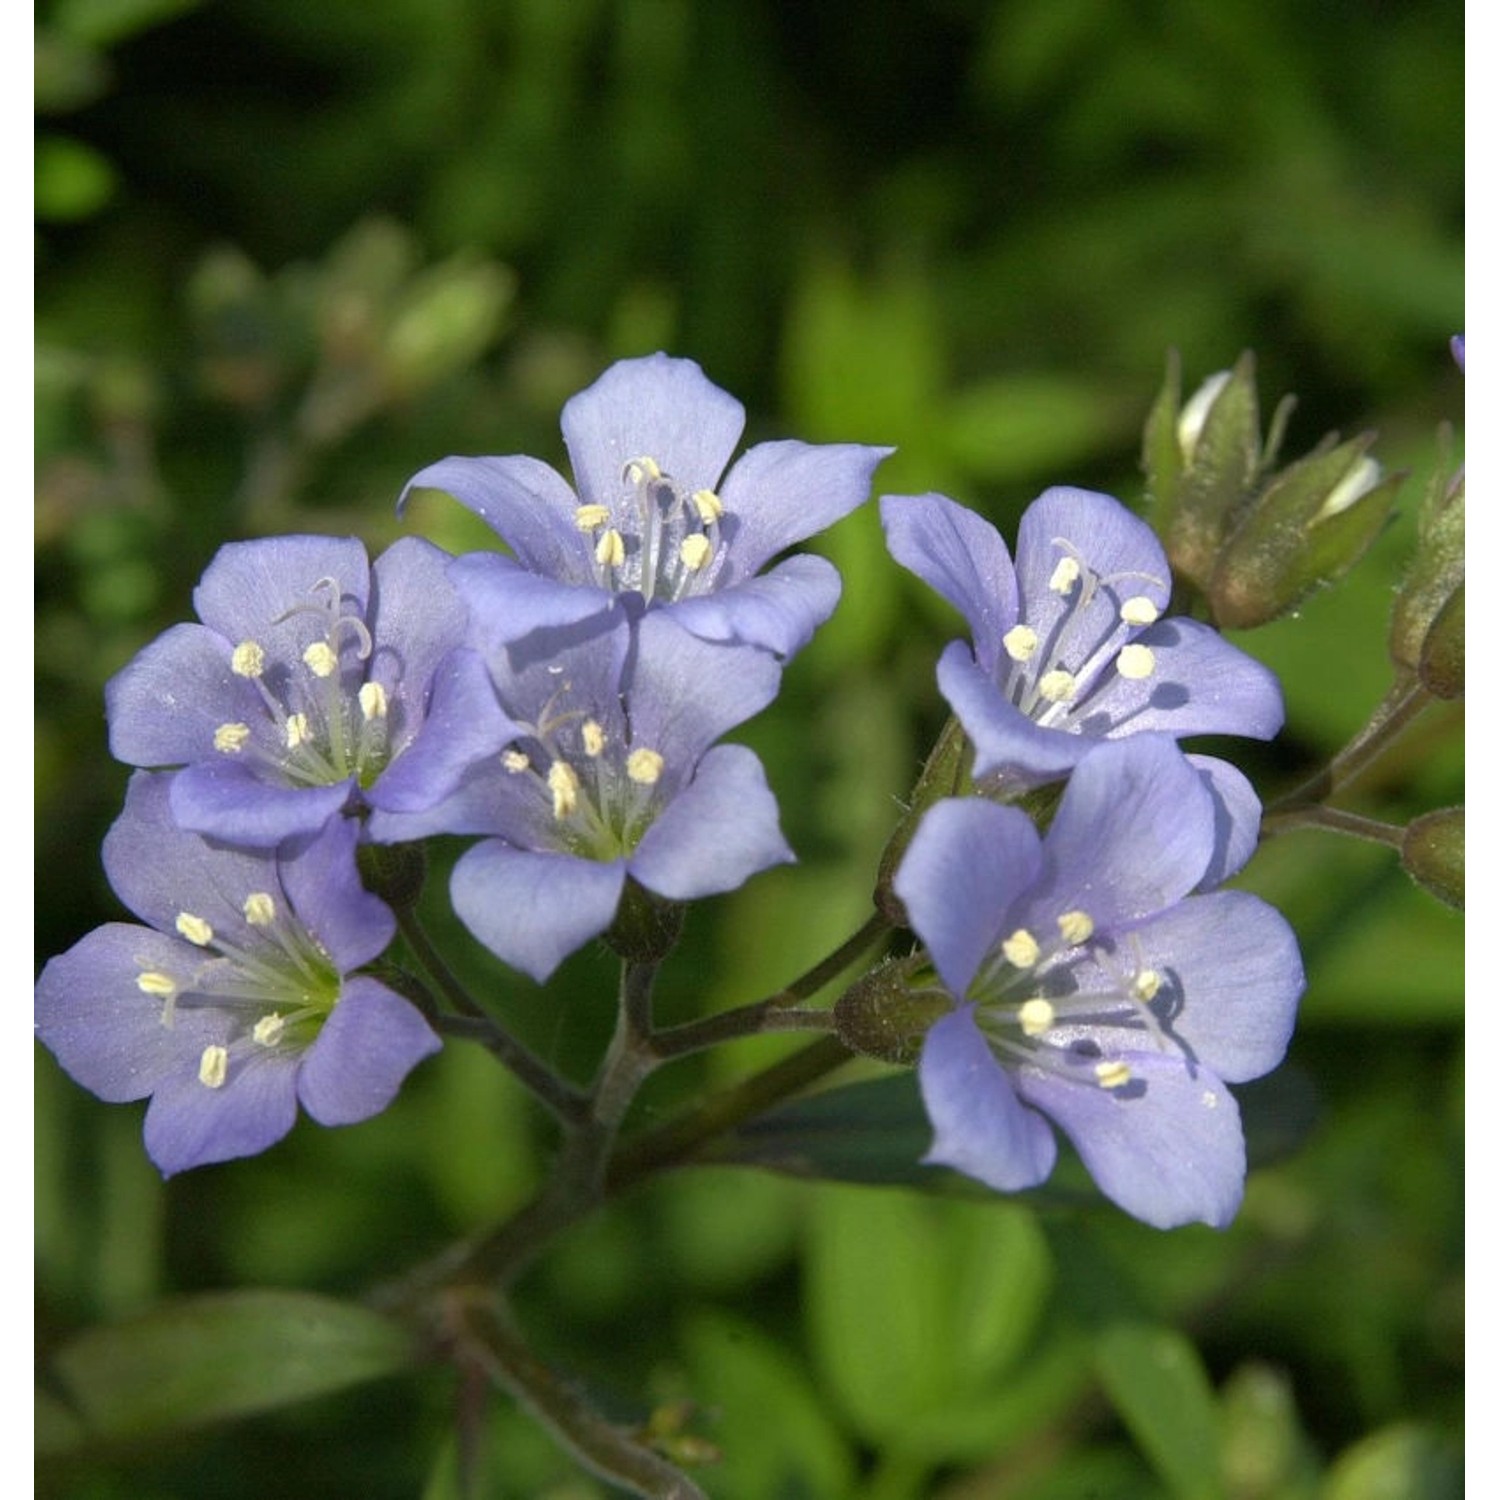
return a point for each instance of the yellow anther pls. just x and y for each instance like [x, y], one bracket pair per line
[593, 738]
[154, 982]
[1020, 642]
[562, 781]
[260, 908]
[609, 550]
[213, 1067]
[1145, 984]
[231, 738]
[373, 703]
[590, 517]
[1036, 1016]
[322, 660]
[269, 1028]
[1057, 686]
[1064, 575]
[695, 549]
[1135, 662]
[1209, 1099]
[515, 761]
[708, 506]
[249, 660]
[1112, 1075]
[644, 767]
[1076, 927]
[1139, 610]
[194, 929]
[298, 730]
[639, 470]
[1021, 949]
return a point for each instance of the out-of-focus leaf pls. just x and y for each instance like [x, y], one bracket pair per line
[101, 23]
[73, 181]
[1266, 1454]
[1158, 1385]
[1404, 1462]
[206, 1359]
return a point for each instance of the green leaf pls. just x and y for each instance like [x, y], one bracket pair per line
[1157, 1383]
[1403, 1462]
[206, 1359]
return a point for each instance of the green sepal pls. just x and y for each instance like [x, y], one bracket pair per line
[1442, 664]
[1432, 853]
[394, 872]
[1161, 452]
[1287, 545]
[646, 927]
[881, 1016]
[1436, 572]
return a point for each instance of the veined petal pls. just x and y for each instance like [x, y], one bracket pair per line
[715, 833]
[1167, 1146]
[254, 582]
[369, 1044]
[1236, 818]
[965, 867]
[226, 800]
[321, 880]
[189, 1124]
[777, 611]
[980, 1127]
[164, 705]
[533, 910]
[507, 602]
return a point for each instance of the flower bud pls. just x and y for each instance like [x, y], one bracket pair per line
[1432, 853]
[1427, 592]
[1442, 664]
[881, 1016]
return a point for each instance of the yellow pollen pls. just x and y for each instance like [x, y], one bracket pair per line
[1210, 1099]
[590, 517]
[1112, 1075]
[515, 761]
[269, 1028]
[1139, 610]
[213, 1067]
[1145, 985]
[1036, 1016]
[1021, 949]
[322, 660]
[1020, 642]
[1076, 927]
[640, 469]
[231, 738]
[609, 550]
[1064, 575]
[373, 703]
[708, 506]
[695, 551]
[249, 660]
[194, 929]
[1057, 686]
[154, 982]
[260, 908]
[644, 767]
[562, 781]
[298, 731]
[1135, 662]
[593, 738]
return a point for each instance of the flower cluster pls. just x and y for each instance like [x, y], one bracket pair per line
[563, 702]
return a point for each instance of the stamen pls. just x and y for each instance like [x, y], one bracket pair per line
[708, 506]
[213, 1067]
[562, 781]
[373, 703]
[154, 982]
[1021, 949]
[1036, 1016]
[641, 471]
[231, 738]
[695, 551]
[1020, 642]
[644, 767]
[1135, 662]
[609, 551]
[249, 659]
[1139, 610]
[1057, 686]
[1076, 927]
[194, 929]
[298, 731]
[269, 1028]
[515, 761]
[260, 909]
[590, 517]
[1064, 575]
[593, 738]
[1113, 1074]
[1144, 984]
[321, 659]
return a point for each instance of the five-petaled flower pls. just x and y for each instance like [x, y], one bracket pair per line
[309, 675]
[1069, 644]
[602, 767]
[655, 514]
[1091, 987]
[239, 1000]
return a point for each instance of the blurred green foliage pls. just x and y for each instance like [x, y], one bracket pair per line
[289, 254]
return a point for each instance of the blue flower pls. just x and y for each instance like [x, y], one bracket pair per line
[655, 514]
[1090, 987]
[1070, 645]
[308, 677]
[605, 769]
[239, 1000]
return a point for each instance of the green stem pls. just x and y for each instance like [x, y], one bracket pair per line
[731, 1025]
[1333, 820]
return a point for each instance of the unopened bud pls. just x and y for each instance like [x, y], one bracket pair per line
[882, 1016]
[1435, 576]
[1432, 853]
[946, 774]
[1442, 665]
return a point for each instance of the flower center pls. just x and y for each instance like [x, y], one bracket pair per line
[654, 539]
